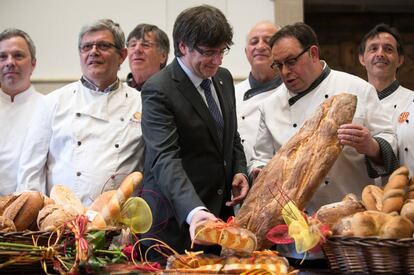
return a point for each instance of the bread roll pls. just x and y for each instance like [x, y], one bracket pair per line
[331, 213]
[5, 201]
[407, 210]
[297, 169]
[24, 210]
[397, 227]
[52, 216]
[375, 223]
[6, 225]
[96, 221]
[372, 197]
[410, 189]
[63, 196]
[394, 191]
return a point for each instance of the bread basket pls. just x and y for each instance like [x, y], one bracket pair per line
[372, 255]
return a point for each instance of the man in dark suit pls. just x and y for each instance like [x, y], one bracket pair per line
[194, 160]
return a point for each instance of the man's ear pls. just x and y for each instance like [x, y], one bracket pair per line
[182, 47]
[400, 60]
[123, 53]
[361, 59]
[314, 52]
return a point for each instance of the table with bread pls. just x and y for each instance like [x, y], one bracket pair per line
[293, 175]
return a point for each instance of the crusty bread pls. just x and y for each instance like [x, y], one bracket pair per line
[5, 201]
[297, 169]
[24, 210]
[102, 200]
[394, 191]
[331, 213]
[375, 223]
[227, 236]
[408, 209]
[372, 197]
[112, 210]
[410, 189]
[53, 216]
[63, 196]
[6, 225]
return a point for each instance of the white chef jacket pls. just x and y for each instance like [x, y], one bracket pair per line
[396, 102]
[87, 140]
[15, 119]
[279, 122]
[248, 115]
[405, 134]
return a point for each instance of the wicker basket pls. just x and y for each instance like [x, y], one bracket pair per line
[370, 255]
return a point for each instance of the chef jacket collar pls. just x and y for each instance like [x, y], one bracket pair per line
[260, 87]
[88, 84]
[389, 90]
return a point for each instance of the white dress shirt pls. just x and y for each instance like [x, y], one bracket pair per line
[15, 117]
[87, 140]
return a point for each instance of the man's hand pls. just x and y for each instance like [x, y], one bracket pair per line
[240, 187]
[360, 138]
[200, 217]
[255, 172]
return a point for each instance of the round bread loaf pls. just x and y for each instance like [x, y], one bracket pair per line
[63, 196]
[5, 201]
[24, 210]
[53, 216]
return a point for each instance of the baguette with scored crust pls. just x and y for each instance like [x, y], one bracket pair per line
[297, 169]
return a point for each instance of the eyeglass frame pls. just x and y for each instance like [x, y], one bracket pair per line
[145, 44]
[293, 61]
[98, 44]
[212, 53]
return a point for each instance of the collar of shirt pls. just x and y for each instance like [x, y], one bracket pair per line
[389, 90]
[20, 97]
[260, 87]
[325, 72]
[193, 78]
[88, 84]
[131, 82]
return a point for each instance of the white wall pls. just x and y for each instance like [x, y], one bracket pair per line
[54, 26]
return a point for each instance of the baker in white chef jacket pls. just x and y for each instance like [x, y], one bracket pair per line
[87, 135]
[369, 141]
[261, 83]
[18, 100]
[405, 134]
[381, 52]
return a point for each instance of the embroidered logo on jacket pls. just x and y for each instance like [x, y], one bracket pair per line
[403, 117]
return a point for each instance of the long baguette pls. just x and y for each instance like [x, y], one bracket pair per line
[112, 210]
[297, 169]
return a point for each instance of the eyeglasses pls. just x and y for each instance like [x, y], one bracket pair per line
[212, 53]
[100, 45]
[143, 43]
[290, 63]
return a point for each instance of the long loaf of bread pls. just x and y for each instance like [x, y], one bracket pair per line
[394, 191]
[297, 169]
[112, 209]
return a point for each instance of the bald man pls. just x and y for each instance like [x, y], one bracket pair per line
[261, 83]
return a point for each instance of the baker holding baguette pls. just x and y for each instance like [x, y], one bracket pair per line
[86, 135]
[369, 141]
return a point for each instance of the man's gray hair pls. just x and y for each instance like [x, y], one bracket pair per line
[101, 25]
[9, 33]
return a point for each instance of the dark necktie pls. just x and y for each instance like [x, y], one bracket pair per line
[213, 108]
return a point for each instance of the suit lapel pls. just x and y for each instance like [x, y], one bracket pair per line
[186, 87]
